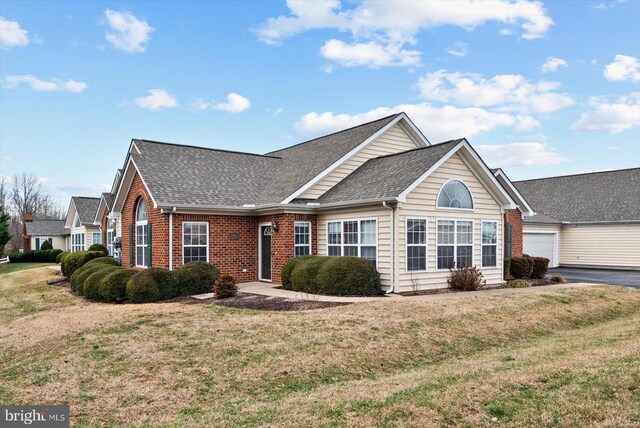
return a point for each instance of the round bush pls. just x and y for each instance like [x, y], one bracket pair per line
[540, 267]
[98, 247]
[519, 283]
[107, 260]
[79, 277]
[91, 286]
[61, 256]
[46, 245]
[304, 275]
[521, 267]
[224, 287]
[348, 276]
[150, 285]
[53, 256]
[76, 260]
[195, 278]
[113, 287]
[287, 270]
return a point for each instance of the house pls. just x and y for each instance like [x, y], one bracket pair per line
[39, 231]
[80, 217]
[380, 191]
[585, 220]
[103, 218]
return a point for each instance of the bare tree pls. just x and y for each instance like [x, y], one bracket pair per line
[27, 197]
[3, 194]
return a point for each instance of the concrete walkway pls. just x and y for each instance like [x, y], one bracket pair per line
[275, 290]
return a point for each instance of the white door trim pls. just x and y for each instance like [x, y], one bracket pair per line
[260, 225]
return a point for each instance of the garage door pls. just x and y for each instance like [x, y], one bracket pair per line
[539, 245]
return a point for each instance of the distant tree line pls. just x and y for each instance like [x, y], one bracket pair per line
[25, 196]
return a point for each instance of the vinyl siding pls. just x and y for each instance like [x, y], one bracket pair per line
[395, 140]
[421, 202]
[58, 242]
[601, 246]
[382, 215]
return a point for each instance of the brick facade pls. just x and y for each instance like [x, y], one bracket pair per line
[514, 218]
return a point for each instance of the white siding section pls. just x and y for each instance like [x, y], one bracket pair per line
[395, 140]
[382, 215]
[601, 246]
[421, 202]
[58, 242]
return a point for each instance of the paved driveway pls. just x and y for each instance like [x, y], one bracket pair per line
[599, 276]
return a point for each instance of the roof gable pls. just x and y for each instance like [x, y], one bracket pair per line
[84, 207]
[47, 228]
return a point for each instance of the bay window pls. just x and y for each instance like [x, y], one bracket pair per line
[357, 238]
[454, 243]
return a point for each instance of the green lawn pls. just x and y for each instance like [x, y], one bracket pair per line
[14, 267]
[565, 358]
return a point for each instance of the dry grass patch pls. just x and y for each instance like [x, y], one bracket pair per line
[564, 358]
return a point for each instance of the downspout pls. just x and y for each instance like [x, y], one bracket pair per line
[171, 238]
[393, 246]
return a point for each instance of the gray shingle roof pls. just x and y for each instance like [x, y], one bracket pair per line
[46, 228]
[609, 196]
[186, 175]
[387, 176]
[108, 197]
[540, 218]
[86, 208]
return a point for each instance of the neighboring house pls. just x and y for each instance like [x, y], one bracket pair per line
[109, 227]
[585, 220]
[39, 231]
[80, 216]
[379, 191]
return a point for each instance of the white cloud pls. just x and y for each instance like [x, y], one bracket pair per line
[386, 27]
[236, 103]
[370, 54]
[12, 35]
[458, 49]
[552, 64]
[128, 33]
[6, 158]
[39, 85]
[616, 117]
[63, 190]
[506, 92]
[157, 99]
[623, 68]
[440, 123]
[519, 154]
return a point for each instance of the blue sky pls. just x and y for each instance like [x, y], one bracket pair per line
[538, 89]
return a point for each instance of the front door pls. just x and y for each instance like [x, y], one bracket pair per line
[265, 252]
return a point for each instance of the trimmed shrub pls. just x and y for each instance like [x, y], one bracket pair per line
[305, 273]
[38, 256]
[465, 278]
[558, 279]
[151, 285]
[76, 260]
[506, 266]
[224, 287]
[79, 277]
[16, 257]
[98, 247]
[113, 287]
[46, 245]
[106, 260]
[518, 283]
[521, 267]
[91, 286]
[287, 270]
[348, 276]
[195, 278]
[540, 267]
[61, 256]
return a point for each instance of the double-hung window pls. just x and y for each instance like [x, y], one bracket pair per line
[96, 238]
[302, 238]
[489, 243]
[195, 241]
[77, 242]
[454, 243]
[358, 238]
[416, 244]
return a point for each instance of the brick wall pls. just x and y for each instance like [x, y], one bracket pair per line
[514, 218]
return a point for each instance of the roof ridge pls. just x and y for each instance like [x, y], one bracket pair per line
[205, 148]
[577, 174]
[418, 148]
[334, 133]
[84, 197]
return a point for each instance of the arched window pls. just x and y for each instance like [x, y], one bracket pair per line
[142, 235]
[454, 194]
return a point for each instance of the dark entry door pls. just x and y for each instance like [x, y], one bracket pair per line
[265, 253]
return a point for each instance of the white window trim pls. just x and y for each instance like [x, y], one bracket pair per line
[473, 199]
[359, 245]
[455, 241]
[141, 223]
[407, 245]
[307, 223]
[80, 245]
[109, 243]
[206, 223]
[93, 235]
[482, 244]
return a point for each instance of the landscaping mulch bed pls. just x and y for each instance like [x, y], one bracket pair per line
[270, 303]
